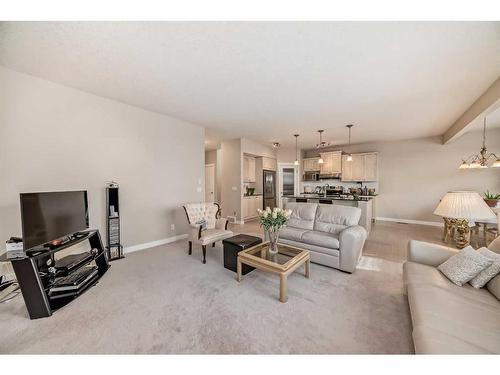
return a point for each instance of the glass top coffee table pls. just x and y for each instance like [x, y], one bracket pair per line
[287, 260]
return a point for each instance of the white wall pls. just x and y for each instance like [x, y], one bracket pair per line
[415, 174]
[218, 175]
[232, 166]
[213, 157]
[256, 149]
[231, 181]
[286, 154]
[56, 138]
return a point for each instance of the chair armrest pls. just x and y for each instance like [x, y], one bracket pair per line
[221, 223]
[195, 231]
[352, 240]
[428, 253]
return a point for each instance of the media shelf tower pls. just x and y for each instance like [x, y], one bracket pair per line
[114, 246]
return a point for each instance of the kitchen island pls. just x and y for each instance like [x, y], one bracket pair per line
[365, 203]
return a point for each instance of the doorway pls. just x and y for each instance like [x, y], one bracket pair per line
[288, 181]
[209, 182]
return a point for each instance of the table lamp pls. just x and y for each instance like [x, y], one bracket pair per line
[458, 207]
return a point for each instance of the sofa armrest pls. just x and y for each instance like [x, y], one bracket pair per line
[428, 253]
[221, 223]
[495, 244]
[352, 240]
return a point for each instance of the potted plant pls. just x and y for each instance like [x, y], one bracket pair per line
[272, 221]
[491, 199]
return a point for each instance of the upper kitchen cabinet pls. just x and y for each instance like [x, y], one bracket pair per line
[248, 169]
[311, 165]
[268, 164]
[363, 167]
[371, 170]
[332, 162]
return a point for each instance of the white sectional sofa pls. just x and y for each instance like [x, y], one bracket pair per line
[331, 233]
[449, 319]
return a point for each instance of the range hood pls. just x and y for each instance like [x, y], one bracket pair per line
[331, 176]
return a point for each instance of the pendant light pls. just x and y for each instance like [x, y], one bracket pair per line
[296, 162]
[482, 159]
[320, 145]
[349, 156]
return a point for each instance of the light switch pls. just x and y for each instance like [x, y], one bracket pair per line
[234, 188]
[198, 189]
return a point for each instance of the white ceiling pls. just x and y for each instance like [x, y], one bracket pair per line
[492, 121]
[268, 80]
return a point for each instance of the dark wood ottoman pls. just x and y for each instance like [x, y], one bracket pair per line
[233, 245]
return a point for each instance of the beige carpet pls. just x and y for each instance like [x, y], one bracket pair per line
[163, 301]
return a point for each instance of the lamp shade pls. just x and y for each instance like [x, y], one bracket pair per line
[464, 205]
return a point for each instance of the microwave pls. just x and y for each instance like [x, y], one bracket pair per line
[311, 176]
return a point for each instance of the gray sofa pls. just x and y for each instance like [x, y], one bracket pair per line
[449, 319]
[331, 233]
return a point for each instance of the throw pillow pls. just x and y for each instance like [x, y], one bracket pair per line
[488, 273]
[464, 266]
[203, 223]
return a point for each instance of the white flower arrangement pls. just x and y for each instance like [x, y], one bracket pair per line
[273, 220]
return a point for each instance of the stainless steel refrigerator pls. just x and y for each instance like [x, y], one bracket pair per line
[269, 189]
[288, 182]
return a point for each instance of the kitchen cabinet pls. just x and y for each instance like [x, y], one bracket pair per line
[311, 165]
[363, 167]
[249, 206]
[248, 169]
[332, 162]
[245, 209]
[268, 164]
[346, 169]
[358, 167]
[371, 170]
[366, 217]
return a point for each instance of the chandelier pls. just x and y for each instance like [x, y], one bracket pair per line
[482, 159]
[320, 145]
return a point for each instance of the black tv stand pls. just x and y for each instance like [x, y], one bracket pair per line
[34, 278]
[78, 235]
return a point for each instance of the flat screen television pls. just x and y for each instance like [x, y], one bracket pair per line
[52, 215]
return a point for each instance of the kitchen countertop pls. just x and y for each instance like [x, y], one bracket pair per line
[253, 195]
[333, 198]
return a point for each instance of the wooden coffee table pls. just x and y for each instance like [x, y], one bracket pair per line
[288, 259]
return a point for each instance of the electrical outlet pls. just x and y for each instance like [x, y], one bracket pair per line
[172, 227]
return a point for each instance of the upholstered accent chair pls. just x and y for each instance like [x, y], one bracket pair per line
[216, 227]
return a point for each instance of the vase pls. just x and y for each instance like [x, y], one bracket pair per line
[273, 241]
[491, 202]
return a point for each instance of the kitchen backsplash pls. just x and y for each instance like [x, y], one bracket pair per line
[257, 187]
[313, 184]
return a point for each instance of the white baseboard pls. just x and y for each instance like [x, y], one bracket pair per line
[408, 221]
[147, 245]
[233, 220]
